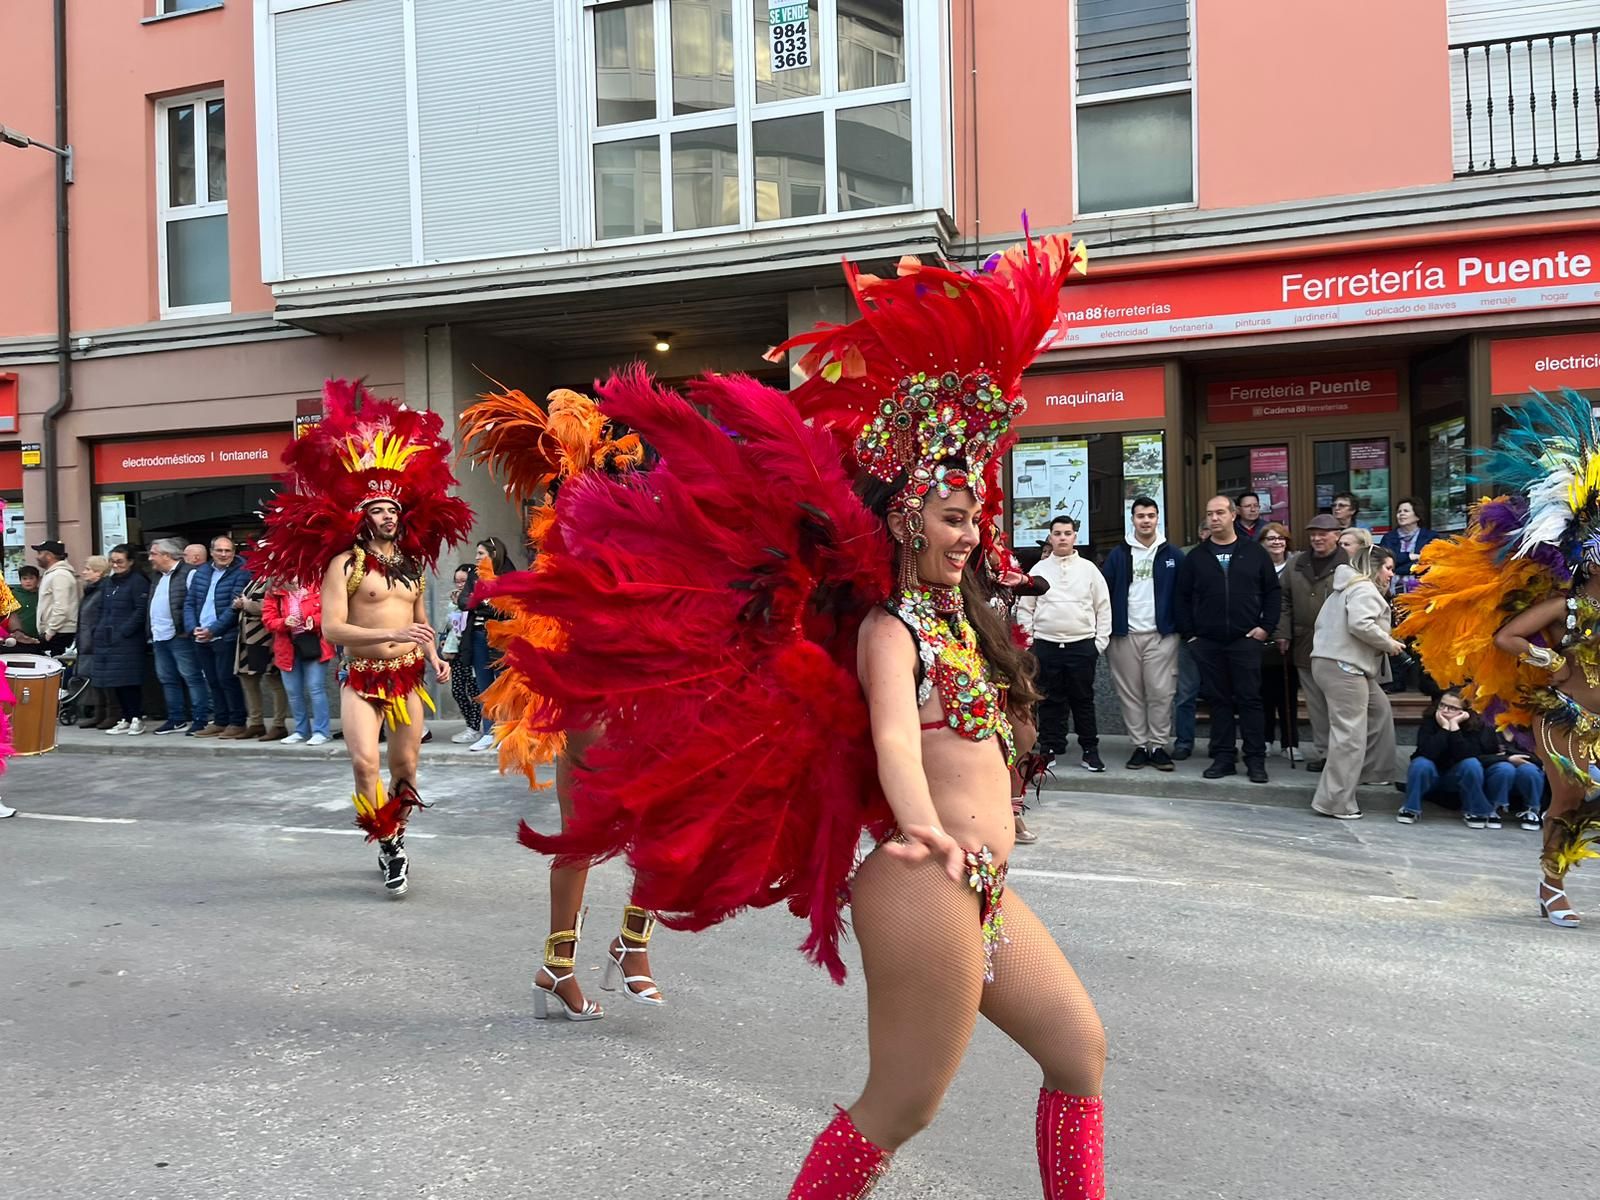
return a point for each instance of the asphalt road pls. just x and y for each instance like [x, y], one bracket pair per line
[213, 998]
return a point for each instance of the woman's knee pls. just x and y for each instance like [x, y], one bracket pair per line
[891, 1122]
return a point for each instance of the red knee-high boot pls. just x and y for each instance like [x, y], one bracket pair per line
[842, 1165]
[1072, 1146]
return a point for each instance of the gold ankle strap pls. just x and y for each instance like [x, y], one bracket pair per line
[573, 935]
[642, 938]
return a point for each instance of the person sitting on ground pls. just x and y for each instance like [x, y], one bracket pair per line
[1349, 660]
[1516, 779]
[1452, 746]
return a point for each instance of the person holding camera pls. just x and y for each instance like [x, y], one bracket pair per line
[1350, 651]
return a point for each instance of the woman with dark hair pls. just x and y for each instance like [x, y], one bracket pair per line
[120, 638]
[453, 643]
[808, 660]
[1280, 682]
[493, 561]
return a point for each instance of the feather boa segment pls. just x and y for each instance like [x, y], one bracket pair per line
[363, 449]
[707, 613]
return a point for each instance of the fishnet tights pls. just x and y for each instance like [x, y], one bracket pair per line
[923, 957]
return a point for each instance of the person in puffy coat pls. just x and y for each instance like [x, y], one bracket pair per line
[294, 615]
[119, 639]
[1350, 651]
[98, 704]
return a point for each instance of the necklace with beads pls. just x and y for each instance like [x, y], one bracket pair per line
[974, 706]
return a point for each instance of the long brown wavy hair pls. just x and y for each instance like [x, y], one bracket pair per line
[1010, 666]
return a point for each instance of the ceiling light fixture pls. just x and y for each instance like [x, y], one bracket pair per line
[663, 342]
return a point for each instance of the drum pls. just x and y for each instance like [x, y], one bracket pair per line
[35, 681]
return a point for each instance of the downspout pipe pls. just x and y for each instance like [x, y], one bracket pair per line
[52, 486]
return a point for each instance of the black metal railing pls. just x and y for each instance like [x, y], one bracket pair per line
[1527, 102]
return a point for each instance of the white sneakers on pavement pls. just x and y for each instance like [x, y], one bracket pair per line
[119, 727]
[317, 739]
[486, 742]
[294, 739]
[466, 736]
[6, 812]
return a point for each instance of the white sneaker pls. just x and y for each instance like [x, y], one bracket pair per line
[467, 735]
[317, 739]
[6, 812]
[486, 742]
[294, 739]
[135, 726]
[119, 727]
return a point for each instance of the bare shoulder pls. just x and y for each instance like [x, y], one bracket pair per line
[340, 563]
[886, 642]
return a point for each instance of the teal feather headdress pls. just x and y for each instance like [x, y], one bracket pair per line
[1551, 456]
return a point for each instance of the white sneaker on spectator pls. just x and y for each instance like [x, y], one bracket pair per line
[317, 739]
[294, 739]
[486, 742]
[6, 812]
[119, 727]
[469, 734]
[135, 726]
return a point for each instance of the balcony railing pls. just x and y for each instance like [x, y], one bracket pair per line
[1526, 103]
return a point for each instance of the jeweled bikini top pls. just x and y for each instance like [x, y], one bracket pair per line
[948, 646]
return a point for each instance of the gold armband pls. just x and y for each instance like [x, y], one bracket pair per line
[1542, 656]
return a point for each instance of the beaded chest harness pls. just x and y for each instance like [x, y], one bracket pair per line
[1583, 616]
[948, 645]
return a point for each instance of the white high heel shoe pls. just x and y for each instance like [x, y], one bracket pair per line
[542, 994]
[617, 956]
[1561, 918]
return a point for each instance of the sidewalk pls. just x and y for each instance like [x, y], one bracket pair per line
[1289, 787]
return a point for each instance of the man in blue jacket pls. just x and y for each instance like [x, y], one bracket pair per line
[1142, 577]
[1228, 604]
[211, 615]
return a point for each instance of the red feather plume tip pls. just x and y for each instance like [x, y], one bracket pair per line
[735, 768]
[364, 449]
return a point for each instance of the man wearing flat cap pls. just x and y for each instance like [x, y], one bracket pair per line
[59, 594]
[1307, 584]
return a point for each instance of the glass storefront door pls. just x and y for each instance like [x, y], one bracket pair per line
[1361, 467]
[1262, 468]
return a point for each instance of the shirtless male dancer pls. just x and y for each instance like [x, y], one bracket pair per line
[365, 509]
[380, 620]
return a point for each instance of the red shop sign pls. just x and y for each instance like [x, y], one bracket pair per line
[1333, 394]
[11, 469]
[1075, 397]
[209, 456]
[1518, 366]
[1354, 288]
[10, 402]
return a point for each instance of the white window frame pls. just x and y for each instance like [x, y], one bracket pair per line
[1190, 85]
[168, 8]
[927, 130]
[166, 213]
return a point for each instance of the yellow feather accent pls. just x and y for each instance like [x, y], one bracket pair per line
[1080, 258]
[369, 808]
[833, 371]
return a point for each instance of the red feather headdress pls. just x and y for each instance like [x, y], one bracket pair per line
[930, 374]
[365, 450]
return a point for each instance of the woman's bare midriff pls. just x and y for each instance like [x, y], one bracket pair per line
[970, 785]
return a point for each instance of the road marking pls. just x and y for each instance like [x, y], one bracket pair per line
[346, 832]
[32, 816]
[1083, 877]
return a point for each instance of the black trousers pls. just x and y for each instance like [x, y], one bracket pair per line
[1066, 677]
[1280, 696]
[1230, 680]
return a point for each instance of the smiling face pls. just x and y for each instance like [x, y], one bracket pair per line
[222, 552]
[950, 525]
[1144, 522]
[1274, 544]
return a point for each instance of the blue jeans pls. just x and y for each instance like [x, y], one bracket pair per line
[227, 694]
[1184, 700]
[1525, 779]
[1465, 779]
[485, 666]
[182, 682]
[307, 686]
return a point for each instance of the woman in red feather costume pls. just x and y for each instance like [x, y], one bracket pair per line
[363, 513]
[536, 451]
[803, 585]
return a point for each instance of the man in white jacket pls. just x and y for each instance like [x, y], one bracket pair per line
[59, 593]
[1070, 625]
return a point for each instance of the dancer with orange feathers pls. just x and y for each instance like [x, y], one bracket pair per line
[803, 584]
[536, 451]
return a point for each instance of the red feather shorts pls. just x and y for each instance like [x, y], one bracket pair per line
[386, 682]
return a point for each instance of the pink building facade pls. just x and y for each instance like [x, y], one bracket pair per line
[1330, 242]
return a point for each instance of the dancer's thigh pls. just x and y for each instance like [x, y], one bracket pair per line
[922, 953]
[1038, 1001]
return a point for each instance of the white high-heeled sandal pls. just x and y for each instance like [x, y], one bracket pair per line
[1561, 918]
[542, 995]
[616, 957]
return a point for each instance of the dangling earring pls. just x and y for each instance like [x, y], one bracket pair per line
[912, 544]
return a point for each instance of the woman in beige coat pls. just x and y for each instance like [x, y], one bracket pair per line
[1349, 661]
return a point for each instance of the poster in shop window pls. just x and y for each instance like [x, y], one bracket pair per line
[1143, 470]
[16, 543]
[1447, 476]
[113, 522]
[1369, 481]
[1049, 479]
[1269, 479]
[789, 34]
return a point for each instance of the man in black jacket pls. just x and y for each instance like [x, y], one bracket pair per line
[1228, 604]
